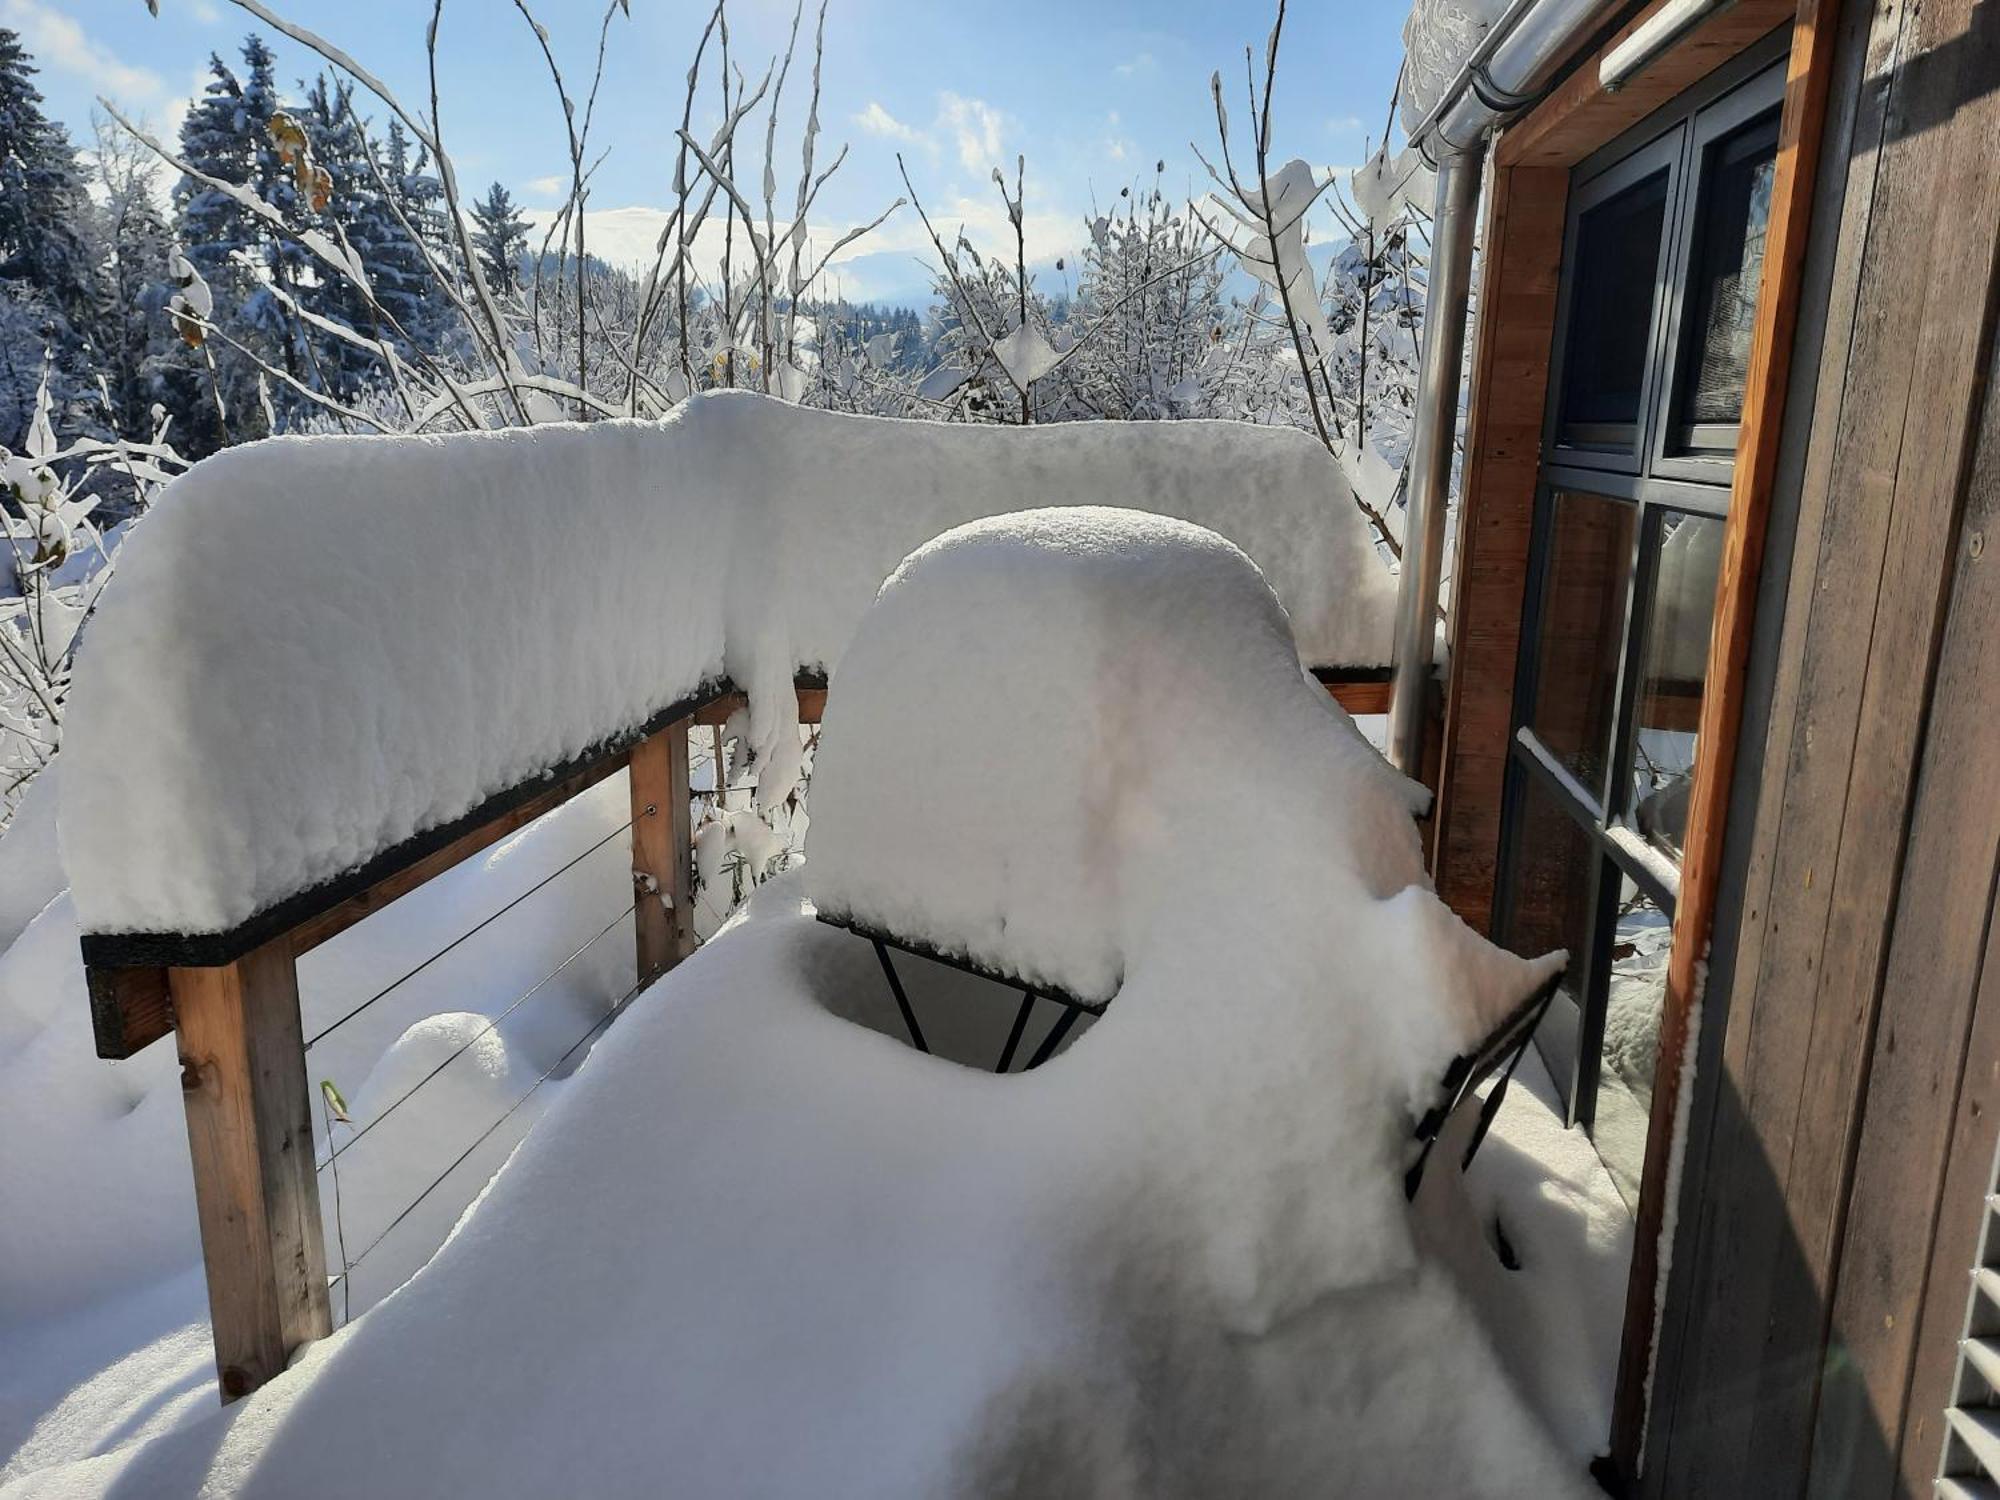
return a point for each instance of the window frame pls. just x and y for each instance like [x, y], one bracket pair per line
[1762, 95]
[1676, 139]
[1663, 156]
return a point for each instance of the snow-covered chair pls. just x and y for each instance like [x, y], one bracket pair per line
[949, 824]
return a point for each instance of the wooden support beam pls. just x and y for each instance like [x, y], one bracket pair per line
[129, 1009]
[662, 861]
[342, 915]
[249, 1120]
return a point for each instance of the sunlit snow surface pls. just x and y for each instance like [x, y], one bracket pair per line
[754, 1248]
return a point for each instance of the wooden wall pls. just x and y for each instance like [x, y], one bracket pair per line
[1522, 251]
[1845, 1108]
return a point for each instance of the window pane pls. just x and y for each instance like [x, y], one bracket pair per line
[1728, 263]
[1670, 677]
[1548, 871]
[1611, 314]
[1589, 571]
[1636, 996]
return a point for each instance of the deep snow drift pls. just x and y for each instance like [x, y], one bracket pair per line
[103, 1312]
[334, 643]
[755, 1249]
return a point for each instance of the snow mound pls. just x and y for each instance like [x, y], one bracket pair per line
[1187, 818]
[992, 777]
[89, 1200]
[31, 873]
[334, 643]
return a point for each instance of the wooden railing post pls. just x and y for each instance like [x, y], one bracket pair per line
[249, 1119]
[662, 859]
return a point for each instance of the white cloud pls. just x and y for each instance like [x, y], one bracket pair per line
[1346, 125]
[547, 187]
[58, 42]
[1143, 63]
[205, 12]
[878, 121]
[1116, 146]
[975, 126]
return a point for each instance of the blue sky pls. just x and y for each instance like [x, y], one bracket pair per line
[1093, 91]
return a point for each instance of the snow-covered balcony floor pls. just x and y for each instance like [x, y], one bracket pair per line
[1075, 746]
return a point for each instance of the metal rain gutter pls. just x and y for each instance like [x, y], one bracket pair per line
[1504, 74]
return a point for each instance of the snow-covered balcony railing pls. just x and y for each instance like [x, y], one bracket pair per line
[348, 664]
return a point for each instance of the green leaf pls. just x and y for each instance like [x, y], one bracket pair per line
[334, 1103]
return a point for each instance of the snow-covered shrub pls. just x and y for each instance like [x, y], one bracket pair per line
[54, 565]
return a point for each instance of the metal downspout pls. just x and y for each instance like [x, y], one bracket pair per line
[1431, 445]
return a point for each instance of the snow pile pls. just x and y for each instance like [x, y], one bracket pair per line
[102, 1303]
[31, 873]
[1114, 847]
[770, 1252]
[104, 1132]
[333, 643]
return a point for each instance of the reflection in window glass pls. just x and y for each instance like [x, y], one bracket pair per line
[1728, 264]
[1549, 907]
[1611, 314]
[1670, 677]
[1637, 994]
[1591, 548]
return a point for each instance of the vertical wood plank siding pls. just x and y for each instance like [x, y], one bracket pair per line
[1827, 1226]
[1767, 386]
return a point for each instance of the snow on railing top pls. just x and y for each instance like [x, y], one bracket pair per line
[316, 648]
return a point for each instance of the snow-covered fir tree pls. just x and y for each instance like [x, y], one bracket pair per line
[47, 289]
[501, 235]
[144, 370]
[416, 245]
[228, 135]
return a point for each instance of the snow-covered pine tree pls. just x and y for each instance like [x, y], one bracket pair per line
[228, 135]
[406, 284]
[47, 287]
[142, 363]
[501, 236]
[354, 209]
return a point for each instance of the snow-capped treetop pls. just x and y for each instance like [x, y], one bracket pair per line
[330, 644]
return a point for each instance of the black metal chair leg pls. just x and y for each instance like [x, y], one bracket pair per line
[1053, 1040]
[1020, 1025]
[902, 1000]
[1495, 1097]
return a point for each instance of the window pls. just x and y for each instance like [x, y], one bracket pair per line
[1725, 257]
[1674, 660]
[1616, 247]
[1584, 595]
[1663, 257]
